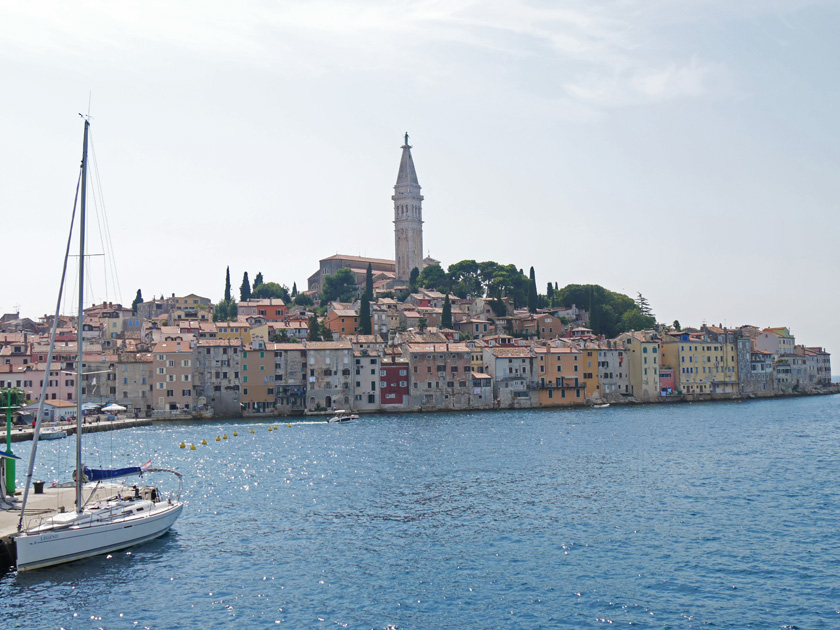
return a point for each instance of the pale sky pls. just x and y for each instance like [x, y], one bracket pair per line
[685, 150]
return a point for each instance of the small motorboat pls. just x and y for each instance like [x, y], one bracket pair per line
[601, 406]
[343, 416]
[52, 433]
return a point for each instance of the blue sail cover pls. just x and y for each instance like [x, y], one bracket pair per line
[94, 474]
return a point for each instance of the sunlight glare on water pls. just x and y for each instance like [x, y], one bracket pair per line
[678, 516]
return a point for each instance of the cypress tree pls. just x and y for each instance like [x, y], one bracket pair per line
[294, 290]
[245, 288]
[365, 327]
[369, 282]
[258, 280]
[532, 293]
[412, 280]
[446, 318]
[227, 285]
[314, 328]
[137, 300]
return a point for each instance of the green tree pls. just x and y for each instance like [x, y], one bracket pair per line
[339, 286]
[245, 288]
[314, 328]
[634, 319]
[138, 299]
[365, 327]
[435, 278]
[227, 285]
[422, 324]
[605, 307]
[412, 280]
[644, 306]
[258, 280]
[369, 282]
[677, 325]
[446, 318]
[532, 293]
[301, 299]
[549, 292]
[465, 279]
[294, 290]
[269, 290]
[225, 311]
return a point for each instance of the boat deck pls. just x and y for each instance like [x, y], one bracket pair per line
[43, 506]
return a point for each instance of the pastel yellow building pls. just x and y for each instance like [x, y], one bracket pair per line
[558, 375]
[234, 330]
[701, 366]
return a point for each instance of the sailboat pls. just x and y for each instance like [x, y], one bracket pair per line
[132, 515]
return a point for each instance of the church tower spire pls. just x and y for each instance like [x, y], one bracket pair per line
[408, 217]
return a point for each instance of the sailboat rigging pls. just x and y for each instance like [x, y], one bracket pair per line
[126, 519]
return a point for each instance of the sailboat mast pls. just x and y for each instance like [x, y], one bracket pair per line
[80, 332]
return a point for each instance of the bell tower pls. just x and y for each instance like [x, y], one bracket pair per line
[408, 217]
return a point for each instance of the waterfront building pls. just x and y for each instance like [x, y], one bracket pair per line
[367, 381]
[701, 365]
[172, 379]
[513, 371]
[613, 372]
[440, 375]
[217, 375]
[290, 376]
[134, 381]
[394, 386]
[642, 354]
[819, 365]
[329, 383]
[558, 375]
[257, 380]
[776, 341]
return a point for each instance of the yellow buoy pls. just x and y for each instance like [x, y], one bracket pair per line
[204, 442]
[192, 447]
[218, 439]
[183, 445]
[289, 425]
[252, 430]
[224, 437]
[235, 434]
[270, 429]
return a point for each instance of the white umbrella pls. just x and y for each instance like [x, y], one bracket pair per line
[113, 407]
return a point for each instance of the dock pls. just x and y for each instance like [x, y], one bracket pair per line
[23, 434]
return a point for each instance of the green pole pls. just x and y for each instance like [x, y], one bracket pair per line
[10, 463]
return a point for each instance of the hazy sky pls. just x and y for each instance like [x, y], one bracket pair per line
[685, 150]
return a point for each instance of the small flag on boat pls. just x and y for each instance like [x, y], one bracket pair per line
[146, 466]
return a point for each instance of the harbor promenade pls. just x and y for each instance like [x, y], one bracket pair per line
[23, 434]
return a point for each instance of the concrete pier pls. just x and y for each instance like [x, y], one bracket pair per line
[23, 434]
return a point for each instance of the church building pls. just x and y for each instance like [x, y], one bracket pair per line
[408, 236]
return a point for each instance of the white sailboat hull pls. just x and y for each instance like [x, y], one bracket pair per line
[61, 542]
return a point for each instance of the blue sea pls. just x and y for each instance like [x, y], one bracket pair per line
[719, 515]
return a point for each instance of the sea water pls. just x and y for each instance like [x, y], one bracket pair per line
[668, 516]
